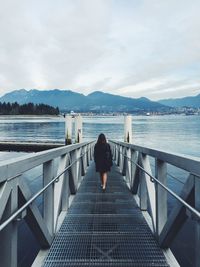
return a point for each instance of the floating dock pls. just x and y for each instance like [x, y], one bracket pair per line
[27, 146]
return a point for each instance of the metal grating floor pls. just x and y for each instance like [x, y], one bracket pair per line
[104, 229]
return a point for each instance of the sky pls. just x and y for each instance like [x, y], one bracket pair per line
[133, 48]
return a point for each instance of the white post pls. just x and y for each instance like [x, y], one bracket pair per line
[68, 130]
[78, 129]
[128, 129]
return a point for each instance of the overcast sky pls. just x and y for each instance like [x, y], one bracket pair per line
[132, 48]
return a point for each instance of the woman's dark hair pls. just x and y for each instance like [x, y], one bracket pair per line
[101, 139]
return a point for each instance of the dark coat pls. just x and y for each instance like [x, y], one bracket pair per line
[102, 157]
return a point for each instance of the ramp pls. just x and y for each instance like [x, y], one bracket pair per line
[104, 228]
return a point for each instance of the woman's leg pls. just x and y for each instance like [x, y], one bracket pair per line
[101, 178]
[104, 176]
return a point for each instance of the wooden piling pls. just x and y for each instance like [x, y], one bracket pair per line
[128, 129]
[68, 130]
[78, 129]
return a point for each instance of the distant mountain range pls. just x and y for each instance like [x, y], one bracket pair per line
[96, 101]
[190, 101]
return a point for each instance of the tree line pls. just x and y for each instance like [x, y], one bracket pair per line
[27, 109]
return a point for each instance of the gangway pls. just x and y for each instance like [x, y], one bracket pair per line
[104, 228]
[79, 225]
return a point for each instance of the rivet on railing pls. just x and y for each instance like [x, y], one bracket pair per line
[21, 216]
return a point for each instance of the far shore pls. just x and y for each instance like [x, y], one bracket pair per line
[93, 115]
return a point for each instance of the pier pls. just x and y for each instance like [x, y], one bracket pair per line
[27, 146]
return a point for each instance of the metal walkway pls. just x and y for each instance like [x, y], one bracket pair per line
[104, 229]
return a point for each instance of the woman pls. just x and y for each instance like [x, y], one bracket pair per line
[102, 158]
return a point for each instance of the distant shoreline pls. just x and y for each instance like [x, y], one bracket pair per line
[31, 116]
[90, 115]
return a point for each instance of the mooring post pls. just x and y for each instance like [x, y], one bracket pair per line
[68, 130]
[128, 129]
[78, 129]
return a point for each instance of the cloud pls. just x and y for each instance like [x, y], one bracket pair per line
[48, 44]
[133, 48]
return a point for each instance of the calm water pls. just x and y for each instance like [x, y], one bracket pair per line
[175, 133]
[180, 134]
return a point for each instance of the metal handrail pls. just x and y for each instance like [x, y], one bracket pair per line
[29, 202]
[153, 178]
[170, 175]
[179, 160]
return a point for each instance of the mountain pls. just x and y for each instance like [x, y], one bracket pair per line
[189, 101]
[57, 98]
[96, 101]
[114, 102]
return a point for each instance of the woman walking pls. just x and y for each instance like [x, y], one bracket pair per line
[102, 158]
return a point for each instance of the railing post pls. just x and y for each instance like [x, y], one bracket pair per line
[85, 159]
[118, 155]
[58, 188]
[143, 189]
[128, 165]
[79, 165]
[161, 196]
[91, 156]
[115, 150]
[124, 161]
[88, 156]
[134, 180]
[112, 150]
[65, 189]
[197, 223]
[48, 197]
[8, 236]
[120, 158]
[82, 167]
[74, 173]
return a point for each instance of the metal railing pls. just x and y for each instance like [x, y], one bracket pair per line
[30, 201]
[152, 191]
[17, 202]
[195, 212]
